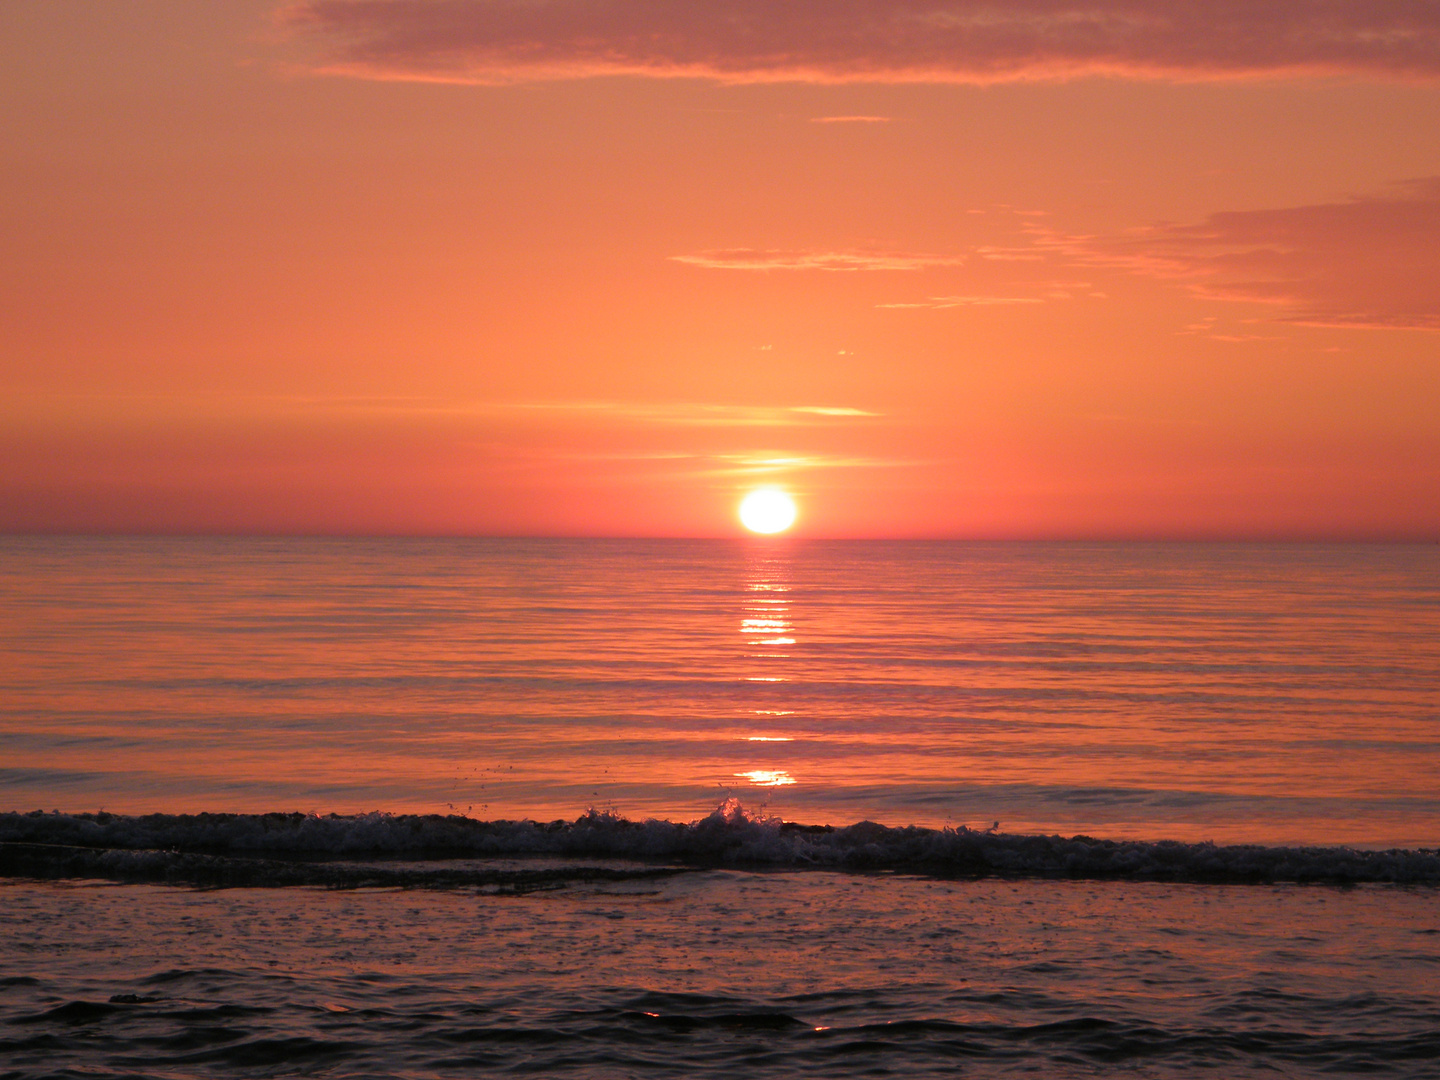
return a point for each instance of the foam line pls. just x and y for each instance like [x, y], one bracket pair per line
[176, 847]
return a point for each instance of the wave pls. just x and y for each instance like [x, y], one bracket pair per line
[278, 849]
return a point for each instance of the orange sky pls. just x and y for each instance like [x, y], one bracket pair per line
[940, 268]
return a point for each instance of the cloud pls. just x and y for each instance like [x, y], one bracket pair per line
[700, 415]
[851, 119]
[1207, 328]
[147, 410]
[691, 463]
[761, 259]
[1009, 254]
[941, 302]
[1371, 261]
[763, 463]
[975, 41]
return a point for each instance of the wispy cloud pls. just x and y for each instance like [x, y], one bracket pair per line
[1208, 328]
[762, 259]
[201, 410]
[978, 41]
[728, 465]
[1009, 254]
[1370, 261]
[851, 119]
[700, 415]
[765, 464]
[942, 302]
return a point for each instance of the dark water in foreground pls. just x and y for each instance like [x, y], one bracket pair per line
[978, 704]
[722, 973]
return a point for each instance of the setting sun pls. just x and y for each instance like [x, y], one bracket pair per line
[767, 511]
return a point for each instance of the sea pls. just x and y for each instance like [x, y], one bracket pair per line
[699, 808]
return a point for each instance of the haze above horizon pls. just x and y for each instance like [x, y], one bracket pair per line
[951, 269]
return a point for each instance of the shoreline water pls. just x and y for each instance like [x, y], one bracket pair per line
[1277, 700]
[298, 849]
[707, 972]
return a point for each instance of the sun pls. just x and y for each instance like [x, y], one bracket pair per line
[767, 511]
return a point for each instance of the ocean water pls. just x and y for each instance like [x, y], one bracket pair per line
[670, 808]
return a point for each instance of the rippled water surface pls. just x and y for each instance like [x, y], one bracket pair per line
[221, 699]
[716, 973]
[1247, 692]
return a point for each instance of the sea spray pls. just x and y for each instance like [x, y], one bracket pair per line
[298, 848]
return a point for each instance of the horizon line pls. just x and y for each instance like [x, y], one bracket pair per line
[1308, 538]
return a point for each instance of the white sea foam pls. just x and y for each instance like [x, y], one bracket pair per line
[175, 846]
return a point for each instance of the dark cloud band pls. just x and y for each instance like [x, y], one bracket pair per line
[872, 40]
[1366, 262]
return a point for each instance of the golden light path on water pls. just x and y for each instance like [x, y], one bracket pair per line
[767, 612]
[767, 777]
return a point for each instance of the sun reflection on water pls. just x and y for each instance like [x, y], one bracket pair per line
[767, 777]
[766, 618]
[767, 633]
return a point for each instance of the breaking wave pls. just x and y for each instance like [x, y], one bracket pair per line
[442, 851]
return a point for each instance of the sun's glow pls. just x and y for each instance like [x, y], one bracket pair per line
[767, 511]
[767, 777]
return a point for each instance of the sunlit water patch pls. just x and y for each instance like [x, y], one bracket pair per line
[1059, 810]
[1267, 693]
